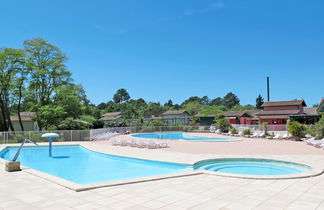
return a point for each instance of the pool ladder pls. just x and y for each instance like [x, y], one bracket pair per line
[22, 144]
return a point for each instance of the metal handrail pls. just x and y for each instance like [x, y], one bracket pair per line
[18, 152]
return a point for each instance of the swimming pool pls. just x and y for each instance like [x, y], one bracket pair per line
[80, 165]
[250, 166]
[182, 136]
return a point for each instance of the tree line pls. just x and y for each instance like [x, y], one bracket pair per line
[140, 109]
[36, 79]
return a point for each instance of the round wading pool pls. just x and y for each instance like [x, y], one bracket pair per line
[250, 166]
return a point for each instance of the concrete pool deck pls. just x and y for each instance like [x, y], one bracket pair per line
[22, 190]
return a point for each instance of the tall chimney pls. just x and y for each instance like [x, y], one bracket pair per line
[268, 88]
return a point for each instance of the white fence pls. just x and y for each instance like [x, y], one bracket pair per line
[242, 127]
[88, 135]
[19, 136]
[106, 133]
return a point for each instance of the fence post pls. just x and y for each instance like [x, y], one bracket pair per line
[71, 135]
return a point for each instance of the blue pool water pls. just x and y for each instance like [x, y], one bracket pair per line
[182, 136]
[82, 166]
[252, 166]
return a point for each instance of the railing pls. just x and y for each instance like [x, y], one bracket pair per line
[88, 135]
[18, 136]
[242, 127]
[106, 133]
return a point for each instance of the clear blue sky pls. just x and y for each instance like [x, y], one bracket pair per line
[173, 49]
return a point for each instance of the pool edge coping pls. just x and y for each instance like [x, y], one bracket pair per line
[315, 171]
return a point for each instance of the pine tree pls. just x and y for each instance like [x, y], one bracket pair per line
[259, 101]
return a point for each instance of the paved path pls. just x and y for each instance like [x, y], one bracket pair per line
[24, 191]
[21, 190]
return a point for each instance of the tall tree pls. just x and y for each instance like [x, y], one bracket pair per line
[21, 79]
[11, 61]
[102, 106]
[194, 99]
[169, 103]
[205, 100]
[121, 96]
[216, 102]
[259, 101]
[193, 108]
[153, 109]
[48, 71]
[231, 100]
[71, 99]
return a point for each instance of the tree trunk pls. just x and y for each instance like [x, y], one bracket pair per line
[9, 121]
[20, 122]
[18, 108]
[3, 113]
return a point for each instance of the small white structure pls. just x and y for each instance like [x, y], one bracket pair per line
[28, 119]
[176, 117]
[50, 137]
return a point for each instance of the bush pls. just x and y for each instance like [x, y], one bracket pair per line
[36, 137]
[223, 125]
[156, 123]
[311, 130]
[319, 128]
[71, 124]
[265, 127]
[98, 124]
[296, 129]
[234, 131]
[247, 132]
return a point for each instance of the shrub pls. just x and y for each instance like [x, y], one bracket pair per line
[234, 131]
[265, 127]
[98, 124]
[30, 135]
[319, 128]
[157, 123]
[296, 129]
[72, 124]
[247, 132]
[311, 130]
[36, 137]
[223, 125]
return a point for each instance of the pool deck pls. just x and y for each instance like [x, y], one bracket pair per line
[24, 190]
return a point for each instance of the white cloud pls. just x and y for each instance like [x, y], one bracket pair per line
[191, 11]
[217, 5]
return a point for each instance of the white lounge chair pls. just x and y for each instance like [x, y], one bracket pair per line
[261, 135]
[254, 135]
[277, 136]
[162, 145]
[239, 134]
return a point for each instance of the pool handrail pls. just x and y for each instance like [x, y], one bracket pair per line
[22, 144]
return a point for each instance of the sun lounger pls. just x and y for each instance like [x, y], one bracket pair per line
[277, 136]
[162, 145]
[218, 131]
[141, 144]
[262, 135]
[239, 134]
[254, 135]
[115, 142]
[151, 145]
